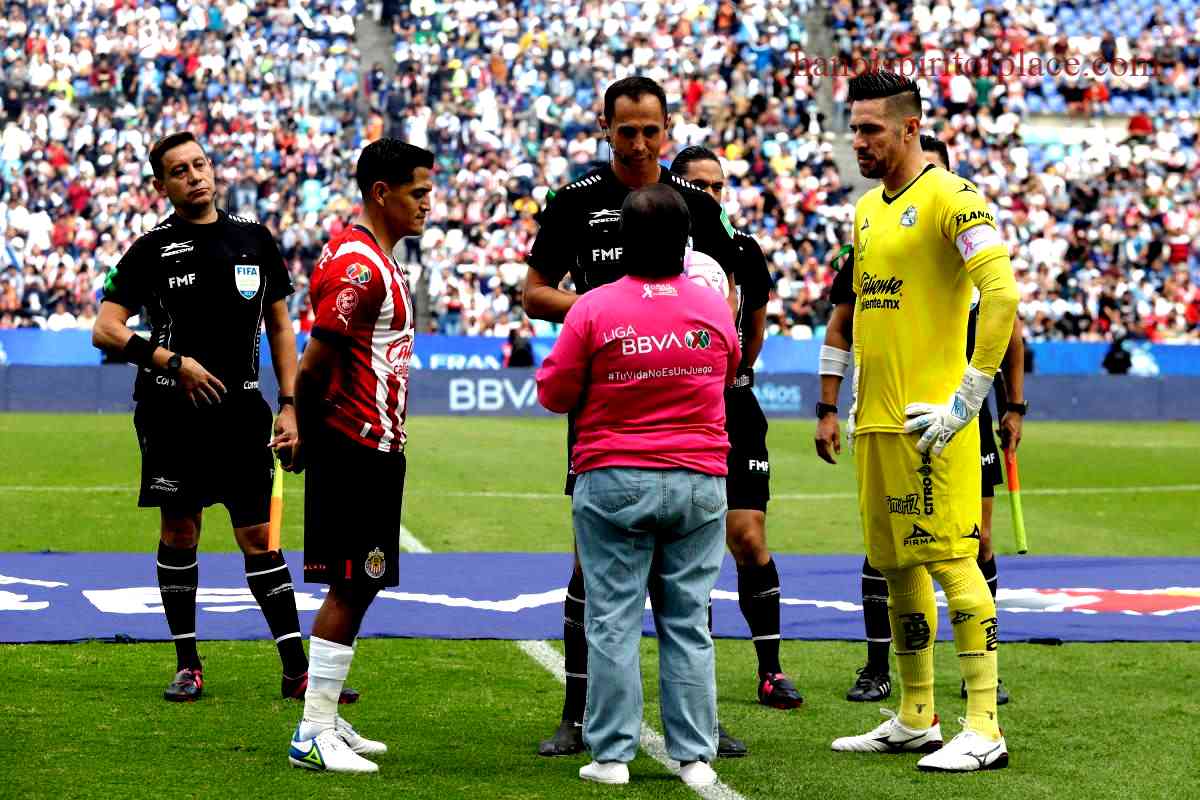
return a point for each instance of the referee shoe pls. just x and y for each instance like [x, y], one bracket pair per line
[871, 687]
[892, 737]
[728, 746]
[777, 691]
[566, 741]
[187, 686]
[294, 689]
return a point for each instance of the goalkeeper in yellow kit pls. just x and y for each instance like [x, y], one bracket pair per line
[921, 241]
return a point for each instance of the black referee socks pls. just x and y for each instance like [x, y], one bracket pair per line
[178, 575]
[875, 618]
[270, 582]
[988, 568]
[575, 648]
[758, 597]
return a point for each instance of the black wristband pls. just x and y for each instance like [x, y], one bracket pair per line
[139, 351]
[744, 379]
[286, 400]
[826, 408]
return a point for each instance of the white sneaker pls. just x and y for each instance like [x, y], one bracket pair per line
[358, 743]
[697, 773]
[605, 772]
[967, 752]
[892, 737]
[327, 752]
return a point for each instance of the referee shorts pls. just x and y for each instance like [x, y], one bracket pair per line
[748, 485]
[917, 508]
[353, 495]
[193, 457]
[989, 453]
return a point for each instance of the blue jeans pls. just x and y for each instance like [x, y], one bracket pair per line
[662, 530]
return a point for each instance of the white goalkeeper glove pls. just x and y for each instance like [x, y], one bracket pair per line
[941, 422]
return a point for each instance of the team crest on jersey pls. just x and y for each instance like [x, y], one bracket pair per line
[247, 280]
[375, 564]
[358, 274]
[909, 217]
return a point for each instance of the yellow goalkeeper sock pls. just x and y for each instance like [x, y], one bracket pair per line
[912, 611]
[973, 615]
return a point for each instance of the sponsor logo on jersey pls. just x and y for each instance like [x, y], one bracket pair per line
[604, 216]
[177, 248]
[987, 460]
[179, 281]
[977, 215]
[398, 355]
[926, 473]
[248, 385]
[878, 291]
[247, 279]
[909, 217]
[358, 274]
[904, 506]
[375, 564]
[966, 187]
[919, 537]
[607, 253]
[974, 534]
[164, 485]
[755, 465]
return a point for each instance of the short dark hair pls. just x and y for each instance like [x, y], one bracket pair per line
[931, 144]
[655, 225]
[632, 87]
[168, 142]
[391, 161]
[690, 154]
[903, 94]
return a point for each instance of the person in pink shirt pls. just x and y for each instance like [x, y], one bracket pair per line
[644, 362]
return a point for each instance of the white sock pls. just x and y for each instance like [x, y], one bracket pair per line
[328, 666]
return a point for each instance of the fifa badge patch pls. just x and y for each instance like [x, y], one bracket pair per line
[375, 564]
[247, 280]
[909, 217]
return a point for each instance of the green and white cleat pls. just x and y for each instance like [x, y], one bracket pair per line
[327, 752]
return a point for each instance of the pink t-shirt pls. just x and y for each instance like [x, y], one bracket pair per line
[645, 364]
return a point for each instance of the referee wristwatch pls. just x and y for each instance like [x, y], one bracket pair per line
[1017, 408]
[826, 408]
[174, 363]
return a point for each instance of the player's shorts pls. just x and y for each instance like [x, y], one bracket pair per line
[918, 508]
[196, 457]
[352, 500]
[989, 454]
[749, 483]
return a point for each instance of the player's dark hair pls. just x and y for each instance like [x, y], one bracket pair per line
[931, 144]
[690, 154]
[655, 224]
[168, 142]
[632, 87]
[902, 94]
[389, 160]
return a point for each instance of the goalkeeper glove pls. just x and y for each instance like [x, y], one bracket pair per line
[941, 422]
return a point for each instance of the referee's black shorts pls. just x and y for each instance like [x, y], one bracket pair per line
[352, 500]
[748, 486]
[196, 457]
[989, 454]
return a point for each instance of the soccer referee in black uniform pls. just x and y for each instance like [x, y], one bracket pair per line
[749, 482]
[207, 281]
[580, 235]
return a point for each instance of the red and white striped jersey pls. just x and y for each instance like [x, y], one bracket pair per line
[362, 302]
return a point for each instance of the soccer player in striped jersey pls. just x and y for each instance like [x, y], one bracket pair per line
[351, 399]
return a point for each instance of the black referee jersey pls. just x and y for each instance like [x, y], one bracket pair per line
[753, 279]
[204, 289]
[580, 229]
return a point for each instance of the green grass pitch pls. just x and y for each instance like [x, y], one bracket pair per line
[462, 718]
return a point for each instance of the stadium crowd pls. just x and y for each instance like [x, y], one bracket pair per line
[1103, 235]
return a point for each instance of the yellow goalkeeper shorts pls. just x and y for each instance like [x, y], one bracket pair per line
[918, 508]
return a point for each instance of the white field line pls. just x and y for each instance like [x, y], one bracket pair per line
[1047, 491]
[549, 659]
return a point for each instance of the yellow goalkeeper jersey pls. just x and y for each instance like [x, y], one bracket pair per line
[912, 255]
